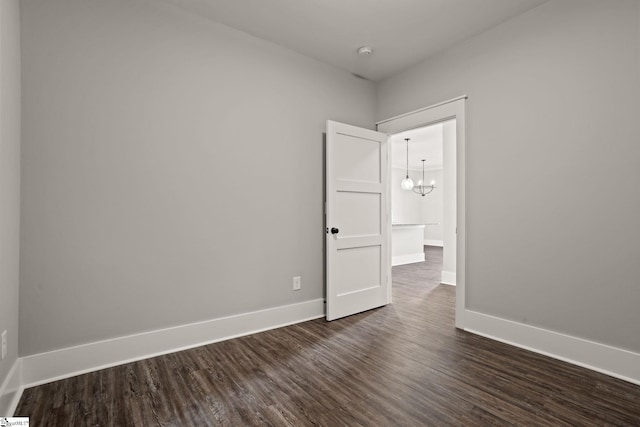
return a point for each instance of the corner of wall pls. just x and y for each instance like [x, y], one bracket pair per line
[11, 389]
[10, 110]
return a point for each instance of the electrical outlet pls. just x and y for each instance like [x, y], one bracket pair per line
[4, 344]
[296, 283]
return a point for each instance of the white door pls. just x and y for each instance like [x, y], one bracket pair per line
[358, 221]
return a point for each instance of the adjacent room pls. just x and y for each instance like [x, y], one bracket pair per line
[423, 205]
[180, 236]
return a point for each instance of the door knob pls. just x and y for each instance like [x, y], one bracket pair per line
[334, 230]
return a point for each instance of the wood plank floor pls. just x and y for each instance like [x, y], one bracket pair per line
[401, 365]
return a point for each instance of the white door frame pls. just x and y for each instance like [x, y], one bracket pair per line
[447, 110]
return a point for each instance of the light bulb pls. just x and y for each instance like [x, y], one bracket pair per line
[433, 183]
[406, 184]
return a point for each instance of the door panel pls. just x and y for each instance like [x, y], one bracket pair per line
[356, 280]
[359, 213]
[359, 159]
[358, 208]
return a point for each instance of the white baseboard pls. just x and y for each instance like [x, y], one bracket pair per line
[429, 242]
[67, 362]
[42, 368]
[11, 390]
[602, 358]
[407, 259]
[448, 278]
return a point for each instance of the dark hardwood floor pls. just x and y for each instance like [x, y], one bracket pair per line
[400, 365]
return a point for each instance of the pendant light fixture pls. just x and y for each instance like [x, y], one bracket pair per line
[422, 189]
[407, 183]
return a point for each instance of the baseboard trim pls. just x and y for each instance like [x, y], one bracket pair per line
[407, 259]
[46, 367]
[448, 278]
[68, 362]
[11, 390]
[608, 360]
[429, 242]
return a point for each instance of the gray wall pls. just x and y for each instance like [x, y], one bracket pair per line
[9, 178]
[141, 122]
[553, 164]
[172, 169]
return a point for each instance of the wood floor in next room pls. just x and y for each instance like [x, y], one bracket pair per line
[401, 365]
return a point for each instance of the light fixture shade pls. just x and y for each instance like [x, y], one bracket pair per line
[422, 189]
[407, 184]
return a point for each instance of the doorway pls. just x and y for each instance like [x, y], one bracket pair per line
[452, 111]
[423, 214]
[358, 209]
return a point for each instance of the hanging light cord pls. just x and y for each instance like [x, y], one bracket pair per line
[407, 183]
[407, 139]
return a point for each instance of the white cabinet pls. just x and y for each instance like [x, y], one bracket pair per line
[407, 243]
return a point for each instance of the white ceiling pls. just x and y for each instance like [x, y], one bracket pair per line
[402, 33]
[425, 143]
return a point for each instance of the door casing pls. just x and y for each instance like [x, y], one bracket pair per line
[447, 110]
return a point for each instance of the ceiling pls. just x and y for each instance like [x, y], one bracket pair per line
[401, 33]
[425, 143]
